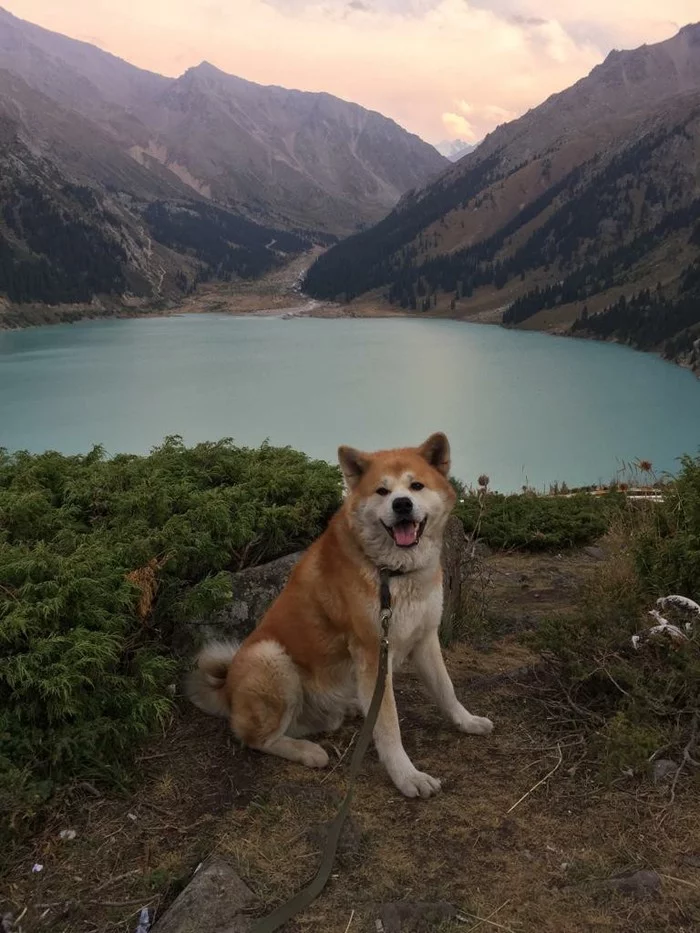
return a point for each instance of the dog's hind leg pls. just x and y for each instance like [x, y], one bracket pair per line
[266, 697]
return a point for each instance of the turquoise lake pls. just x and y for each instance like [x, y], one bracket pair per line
[522, 407]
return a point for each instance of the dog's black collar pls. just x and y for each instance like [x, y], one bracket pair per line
[384, 591]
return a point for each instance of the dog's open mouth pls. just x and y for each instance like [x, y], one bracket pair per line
[406, 534]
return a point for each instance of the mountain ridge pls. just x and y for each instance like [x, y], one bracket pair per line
[147, 113]
[176, 180]
[621, 145]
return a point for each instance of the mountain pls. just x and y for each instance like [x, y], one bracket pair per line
[290, 157]
[280, 157]
[584, 214]
[79, 217]
[455, 149]
[115, 181]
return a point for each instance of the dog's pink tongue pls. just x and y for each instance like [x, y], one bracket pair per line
[405, 534]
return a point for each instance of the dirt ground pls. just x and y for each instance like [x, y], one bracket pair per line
[521, 838]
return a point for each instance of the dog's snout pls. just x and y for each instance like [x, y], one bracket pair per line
[402, 505]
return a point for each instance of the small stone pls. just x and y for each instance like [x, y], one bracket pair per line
[692, 860]
[663, 768]
[216, 901]
[642, 883]
[415, 916]
[348, 843]
[597, 553]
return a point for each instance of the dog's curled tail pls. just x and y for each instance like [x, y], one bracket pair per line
[205, 684]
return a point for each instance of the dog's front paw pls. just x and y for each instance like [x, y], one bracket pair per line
[417, 784]
[312, 755]
[473, 725]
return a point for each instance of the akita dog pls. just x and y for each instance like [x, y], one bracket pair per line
[314, 656]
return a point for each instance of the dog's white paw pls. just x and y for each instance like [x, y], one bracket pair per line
[417, 784]
[313, 756]
[473, 725]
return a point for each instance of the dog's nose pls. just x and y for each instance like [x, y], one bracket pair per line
[402, 505]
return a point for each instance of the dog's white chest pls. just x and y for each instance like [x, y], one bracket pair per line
[416, 610]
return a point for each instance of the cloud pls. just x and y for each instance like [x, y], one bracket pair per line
[461, 66]
[472, 121]
[521, 20]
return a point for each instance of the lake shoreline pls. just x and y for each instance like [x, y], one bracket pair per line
[285, 306]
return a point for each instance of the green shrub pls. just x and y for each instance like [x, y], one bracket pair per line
[537, 523]
[84, 675]
[668, 552]
[637, 701]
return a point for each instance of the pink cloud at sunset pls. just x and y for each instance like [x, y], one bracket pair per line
[441, 68]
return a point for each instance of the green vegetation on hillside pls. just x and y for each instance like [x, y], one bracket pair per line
[51, 252]
[601, 225]
[226, 244]
[86, 544]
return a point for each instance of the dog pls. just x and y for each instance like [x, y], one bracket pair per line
[313, 659]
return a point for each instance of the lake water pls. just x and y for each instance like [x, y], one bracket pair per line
[522, 407]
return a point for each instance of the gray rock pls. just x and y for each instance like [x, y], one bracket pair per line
[663, 768]
[256, 588]
[692, 860]
[215, 901]
[597, 553]
[415, 916]
[642, 883]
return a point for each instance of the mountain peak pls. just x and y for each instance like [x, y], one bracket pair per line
[206, 68]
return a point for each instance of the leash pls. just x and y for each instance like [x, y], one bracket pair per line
[308, 895]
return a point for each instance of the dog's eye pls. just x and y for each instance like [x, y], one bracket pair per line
[382, 491]
[417, 486]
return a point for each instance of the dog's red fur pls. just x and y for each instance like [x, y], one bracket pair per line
[316, 650]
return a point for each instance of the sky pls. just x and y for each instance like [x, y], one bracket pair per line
[444, 69]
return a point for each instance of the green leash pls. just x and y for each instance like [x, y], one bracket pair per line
[285, 912]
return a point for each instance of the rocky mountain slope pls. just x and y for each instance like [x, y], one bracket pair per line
[81, 218]
[281, 156]
[587, 200]
[278, 156]
[116, 181]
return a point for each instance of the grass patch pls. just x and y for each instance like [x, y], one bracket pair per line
[536, 523]
[97, 558]
[644, 701]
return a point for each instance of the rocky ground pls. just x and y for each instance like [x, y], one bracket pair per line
[521, 838]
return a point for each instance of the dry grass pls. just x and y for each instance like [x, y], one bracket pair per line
[539, 867]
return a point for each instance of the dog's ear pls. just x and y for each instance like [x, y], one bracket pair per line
[436, 450]
[353, 463]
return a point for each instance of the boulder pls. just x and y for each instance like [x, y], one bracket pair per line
[256, 588]
[215, 901]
